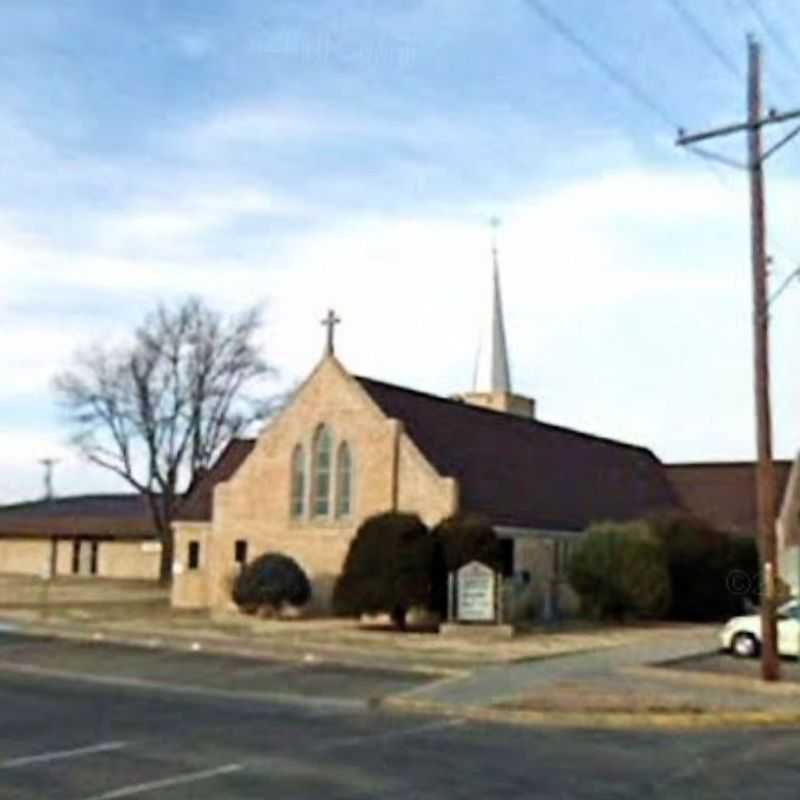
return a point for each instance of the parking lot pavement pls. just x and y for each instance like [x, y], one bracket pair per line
[74, 740]
[197, 671]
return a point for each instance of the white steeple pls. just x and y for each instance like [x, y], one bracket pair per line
[492, 380]
[492, 373]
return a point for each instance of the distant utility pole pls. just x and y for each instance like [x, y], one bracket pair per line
[765, 477]
[48, 464]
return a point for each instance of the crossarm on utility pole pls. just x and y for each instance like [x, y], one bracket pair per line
[738, 127]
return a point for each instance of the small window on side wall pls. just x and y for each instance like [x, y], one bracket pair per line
[193, 556]
[240, 552]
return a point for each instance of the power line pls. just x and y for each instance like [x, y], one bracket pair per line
[773, 33]
[613, 73]
[704, 36]
[617, 76]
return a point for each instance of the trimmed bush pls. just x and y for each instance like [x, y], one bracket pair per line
[701, 561]
[743, 576]
[468, 537]
[389, 568]
[697, 563]
[460, 539]
[619, 570]
[271, 581]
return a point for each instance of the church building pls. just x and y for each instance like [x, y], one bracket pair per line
[347, 447]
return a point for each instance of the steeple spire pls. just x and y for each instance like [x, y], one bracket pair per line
[492, 373]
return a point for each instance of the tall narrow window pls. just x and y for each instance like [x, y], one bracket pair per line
[321, 497]
[344, 480]
[193, 555]
[298, 497]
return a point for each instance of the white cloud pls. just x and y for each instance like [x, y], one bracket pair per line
[627, 301]
[21, 473]
[159, 222]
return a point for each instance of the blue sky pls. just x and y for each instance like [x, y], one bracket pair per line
[315, 153]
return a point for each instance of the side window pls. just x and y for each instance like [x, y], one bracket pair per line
[321, 488]
[344, 480]
[240, 552]
[193, 556]
[298, 495]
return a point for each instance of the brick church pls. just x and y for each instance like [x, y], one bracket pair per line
[347, 447]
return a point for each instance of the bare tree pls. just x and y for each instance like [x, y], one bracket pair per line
[159, 410]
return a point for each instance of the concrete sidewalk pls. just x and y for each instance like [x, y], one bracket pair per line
[500, 684]
[625, 686]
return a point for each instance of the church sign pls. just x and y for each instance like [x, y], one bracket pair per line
[476, 593]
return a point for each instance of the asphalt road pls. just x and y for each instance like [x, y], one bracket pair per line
[72, 739]
[159, 667]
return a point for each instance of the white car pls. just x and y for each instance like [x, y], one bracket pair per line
[742, 635]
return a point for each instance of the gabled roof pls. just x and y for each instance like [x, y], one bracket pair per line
[526, 473]
[119, 515]
[724, 493]
[198, 505]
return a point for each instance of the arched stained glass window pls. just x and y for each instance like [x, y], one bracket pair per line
[298, 497]
[344, 480]
[321, 489]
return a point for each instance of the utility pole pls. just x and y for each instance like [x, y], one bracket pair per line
[48, 464]
[765, 477]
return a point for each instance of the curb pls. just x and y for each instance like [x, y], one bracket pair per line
[230, 647]
[714, 680]
[623, 720]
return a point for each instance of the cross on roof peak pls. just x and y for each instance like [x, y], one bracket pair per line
[330, 322]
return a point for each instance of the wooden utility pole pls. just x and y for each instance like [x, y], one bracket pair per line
[765, 477]
[48, 464]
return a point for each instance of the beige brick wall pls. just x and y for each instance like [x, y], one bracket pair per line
[536, 555]
[128, 560]
[64, 557]
[190, 587]
[254, 504]
[24, 556]
[114, 559]
[421, 489]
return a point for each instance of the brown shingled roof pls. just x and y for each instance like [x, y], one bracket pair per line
[523, 472]
[724, 493]
[119, 515]
[198, 505]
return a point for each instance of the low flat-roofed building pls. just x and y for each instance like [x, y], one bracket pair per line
[104, 535]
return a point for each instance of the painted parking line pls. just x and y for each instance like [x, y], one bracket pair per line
[60, 755]
[151, 786]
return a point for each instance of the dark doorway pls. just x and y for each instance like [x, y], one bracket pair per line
[507, 557]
